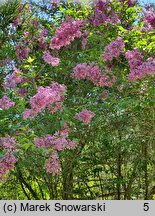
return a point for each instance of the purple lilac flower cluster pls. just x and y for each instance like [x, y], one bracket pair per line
[138, 68]
[149, 17]
[6, 103]
[46, 97]
[85, 116]
[50, 59]
[52, 164]
[13, 79]
[42, 39]
[91, 72]
[66, 33]
[103, 13]
[114, 49]
[22, 50]
[8, 160]
[58, 142]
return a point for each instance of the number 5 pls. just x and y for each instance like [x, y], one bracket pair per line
[146, 207]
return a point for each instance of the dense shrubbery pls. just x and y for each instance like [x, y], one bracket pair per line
[77, 100]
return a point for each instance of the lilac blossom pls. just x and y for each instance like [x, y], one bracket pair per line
[92, 72]
[138, 67]
[6, 103]
[103, 13]
[50, 59]
[7, 162]
[114, 49]
[52, 164]
[46, 97]
[85, 116]
[66, 33]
